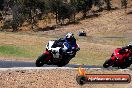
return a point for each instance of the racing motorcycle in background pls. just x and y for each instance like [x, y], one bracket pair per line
[119, 59]
[56, 55]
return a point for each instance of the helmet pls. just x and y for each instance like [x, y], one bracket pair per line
[130, 44]
[69, 36]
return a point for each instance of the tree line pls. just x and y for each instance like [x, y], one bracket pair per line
[31, 11]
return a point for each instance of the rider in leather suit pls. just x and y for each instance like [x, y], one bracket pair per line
[129, 47]
[69, 40]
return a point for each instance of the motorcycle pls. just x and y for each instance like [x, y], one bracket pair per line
[119, 59]
[56, 55]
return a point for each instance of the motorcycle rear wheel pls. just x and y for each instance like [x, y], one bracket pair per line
[63, 62]
[40, 61]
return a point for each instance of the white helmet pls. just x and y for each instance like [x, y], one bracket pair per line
[69, 35]
[130, 44]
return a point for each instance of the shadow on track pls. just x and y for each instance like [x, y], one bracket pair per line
[10, 64]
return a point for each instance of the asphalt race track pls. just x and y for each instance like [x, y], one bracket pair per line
[21, 65]
[12, 64]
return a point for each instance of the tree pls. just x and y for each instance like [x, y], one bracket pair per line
[1, 4]
[17, 17]
[124, 3]
[26, 10]
[62, 10]
[108, 4]
[99, 4]
[84, 6]
[66, 11]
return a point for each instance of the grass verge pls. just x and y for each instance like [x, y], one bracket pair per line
[29, 52]
[94, 50]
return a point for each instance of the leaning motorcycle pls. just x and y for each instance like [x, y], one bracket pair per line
[119, 59]
[56, 56]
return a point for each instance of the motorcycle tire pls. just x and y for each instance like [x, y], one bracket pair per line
[122, 67]
[63, 62]
[81, 80]
[107, 63]
[40, 61]
[125, 66]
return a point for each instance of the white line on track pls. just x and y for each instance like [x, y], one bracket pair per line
[36, 68]
[54, 68]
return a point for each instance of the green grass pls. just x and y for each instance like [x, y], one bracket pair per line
[20, 51]
[32, 52]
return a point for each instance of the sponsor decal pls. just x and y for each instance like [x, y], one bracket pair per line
[84, 78]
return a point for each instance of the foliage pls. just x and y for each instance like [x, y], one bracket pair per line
[108, 4]
[124, 3]
[1, 4]
[32, 11]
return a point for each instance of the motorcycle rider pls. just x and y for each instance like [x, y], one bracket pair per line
[69, 41]
[129, 47]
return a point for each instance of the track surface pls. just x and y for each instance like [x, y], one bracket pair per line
[21, 65]
[12, 64]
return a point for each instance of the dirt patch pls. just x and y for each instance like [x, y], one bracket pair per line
[53, 79]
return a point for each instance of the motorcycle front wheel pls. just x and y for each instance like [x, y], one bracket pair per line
[81, 80]
[107, 63]
[40, 61]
